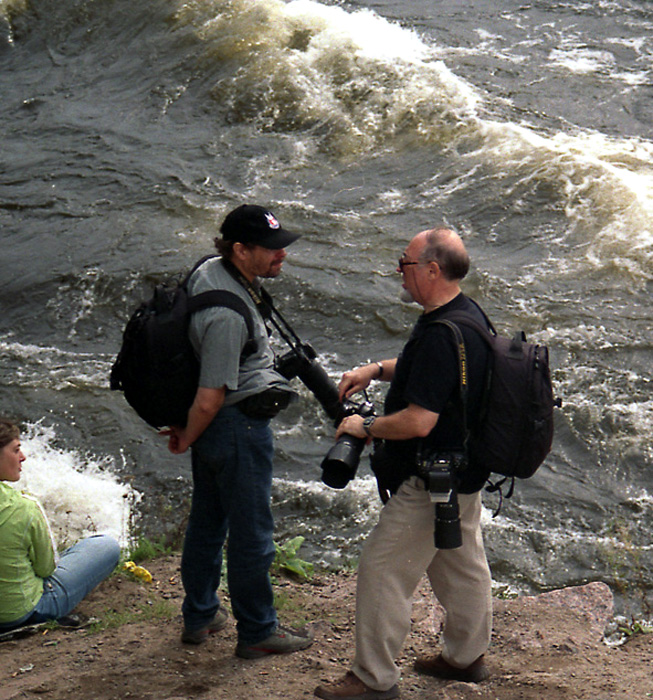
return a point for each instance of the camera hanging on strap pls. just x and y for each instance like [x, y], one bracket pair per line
[438, 472]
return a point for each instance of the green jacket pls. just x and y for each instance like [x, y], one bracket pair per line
[27, 553]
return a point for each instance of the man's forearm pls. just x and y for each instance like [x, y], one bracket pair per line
[411, 422]
[406, 424]
[387, 369]
[204, 409]
[200, 416]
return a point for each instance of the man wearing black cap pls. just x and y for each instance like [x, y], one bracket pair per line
[228, 429]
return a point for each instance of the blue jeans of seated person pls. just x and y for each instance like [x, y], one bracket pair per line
[79, 570]
[232, 482]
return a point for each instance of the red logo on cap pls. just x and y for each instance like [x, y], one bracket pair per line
[272, 222]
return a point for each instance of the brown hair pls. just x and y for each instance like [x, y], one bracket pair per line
[8, 432]
[226, 248]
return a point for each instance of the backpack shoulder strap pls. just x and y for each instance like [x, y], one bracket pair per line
[486, 332]
[222, 297]
[516, 348]
[460, 352]
[196, 266]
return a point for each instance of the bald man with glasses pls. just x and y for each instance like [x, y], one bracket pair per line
[421, 414]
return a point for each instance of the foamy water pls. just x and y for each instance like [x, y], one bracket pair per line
[358, 81]
[81, 494]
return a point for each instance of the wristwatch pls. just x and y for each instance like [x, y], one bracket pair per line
[368, 423]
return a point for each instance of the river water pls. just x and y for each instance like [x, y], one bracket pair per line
[128, 130]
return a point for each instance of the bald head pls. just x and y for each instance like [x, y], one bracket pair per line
[444, 246]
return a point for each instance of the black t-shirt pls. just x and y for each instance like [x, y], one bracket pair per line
[428, 374]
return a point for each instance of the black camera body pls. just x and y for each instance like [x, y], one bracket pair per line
[438, 472]
[438, 478]
[341, 462]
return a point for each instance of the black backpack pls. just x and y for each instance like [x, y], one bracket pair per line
[515, 430]
[156, 368]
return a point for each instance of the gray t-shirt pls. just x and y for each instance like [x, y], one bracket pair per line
[219, 334]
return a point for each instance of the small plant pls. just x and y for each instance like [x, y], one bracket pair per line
[286, 559]
[505, 592]
[621, 629]
[635, 627]
[625, 558]
[145, 549]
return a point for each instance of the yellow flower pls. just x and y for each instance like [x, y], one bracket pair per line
[138, 571]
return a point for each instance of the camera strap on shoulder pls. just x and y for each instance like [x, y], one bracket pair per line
[304, 365]
[461, 353]
[463, 399]
[265, 305]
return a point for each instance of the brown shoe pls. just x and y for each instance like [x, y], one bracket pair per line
[438, 667]
[199, 636]
[350, 687]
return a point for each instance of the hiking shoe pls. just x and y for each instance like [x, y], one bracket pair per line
[199, 636]
[281, 641]
[351, 687]
[438, 667]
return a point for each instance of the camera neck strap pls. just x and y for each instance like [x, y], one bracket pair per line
[258, 295]
[461, 354]
[265, 305]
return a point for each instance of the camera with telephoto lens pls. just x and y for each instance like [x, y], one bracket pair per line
[341, 462]
[438, 474]
[300, 362]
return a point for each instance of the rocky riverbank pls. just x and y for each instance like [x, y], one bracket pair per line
[547, 646]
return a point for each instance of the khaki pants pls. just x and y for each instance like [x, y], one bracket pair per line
[399, 550]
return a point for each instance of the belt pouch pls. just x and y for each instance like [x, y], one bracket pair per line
[267, 404]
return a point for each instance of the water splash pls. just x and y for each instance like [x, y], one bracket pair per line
[360, 84]
[30, 365]
[353, 79]
[80, 493]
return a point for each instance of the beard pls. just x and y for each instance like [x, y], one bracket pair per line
[406, 296]
[274, 270]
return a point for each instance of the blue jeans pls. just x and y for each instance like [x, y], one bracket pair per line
[232, 482]
[80, 569]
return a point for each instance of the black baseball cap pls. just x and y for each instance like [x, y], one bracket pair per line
[250, 223]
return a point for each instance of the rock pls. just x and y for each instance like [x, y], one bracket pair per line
[593, 600]
[574, 617]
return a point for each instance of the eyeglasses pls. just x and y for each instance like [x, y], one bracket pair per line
[403, 263]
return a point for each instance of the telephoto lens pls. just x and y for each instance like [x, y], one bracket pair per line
[300, 362]
[341, 462]
[447, 524]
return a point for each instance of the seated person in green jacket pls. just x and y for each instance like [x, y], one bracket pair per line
[34, 587]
